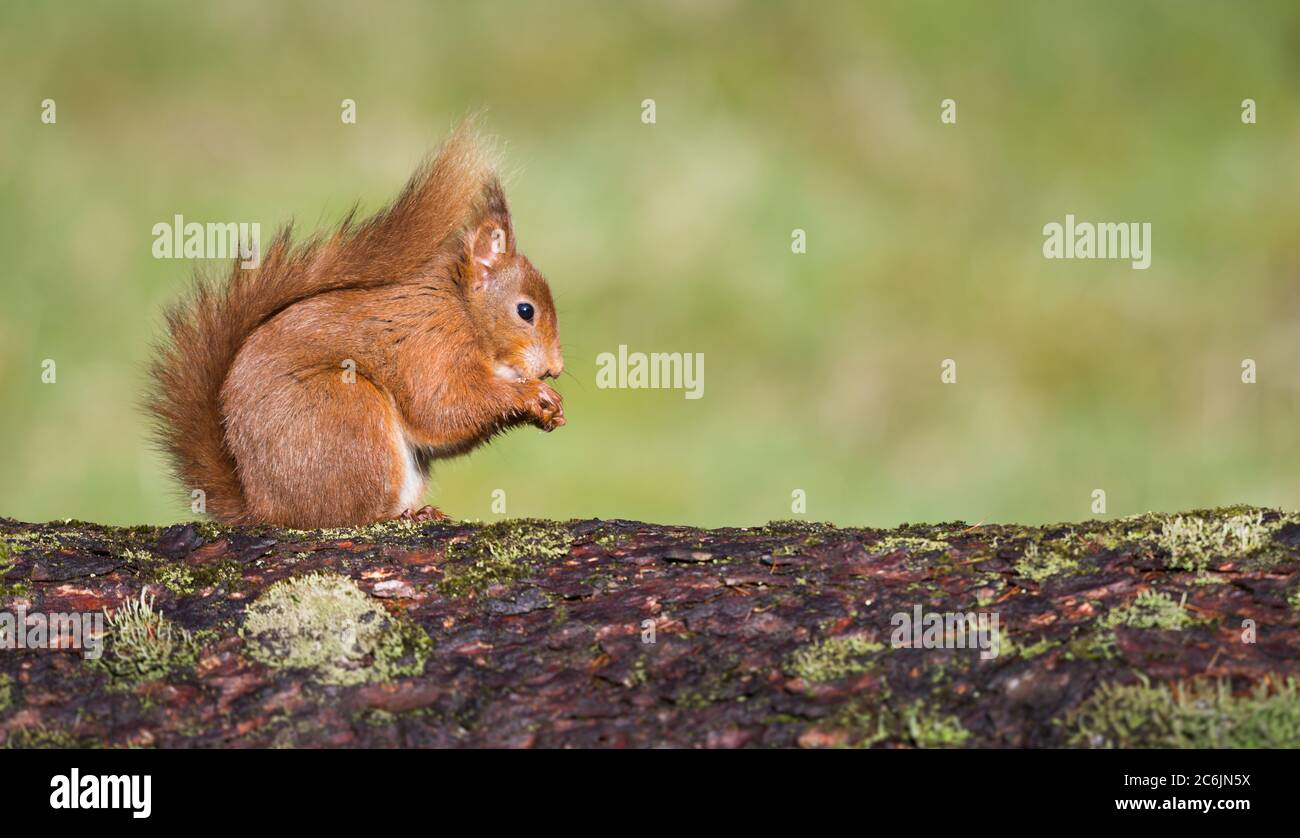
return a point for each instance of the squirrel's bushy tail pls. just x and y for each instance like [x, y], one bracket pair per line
[206, 330]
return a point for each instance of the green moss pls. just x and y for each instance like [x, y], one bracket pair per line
[29, 539]
[502, 553]
[833, 658]
[1131, 529]
[1034, 649]
[185, 579]
[6, 692]
[139, 558]
[1093, 646]
[143, 645]
[1150, 609]
[325, 623]
[810, 534]
[20, 588]
[210, 531]
[796, 527]
[874, 720]
[868, 723]
[188, 579]
[608, 540]
[45, 738]
[639, 674]
[713, 688]
[377, 531]
[910, 544]
[1196, 714]
[1039, 566]
[926, 728]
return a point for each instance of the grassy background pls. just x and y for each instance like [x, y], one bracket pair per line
[822, 369]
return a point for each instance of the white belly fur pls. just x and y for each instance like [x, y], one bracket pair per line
[412, 491]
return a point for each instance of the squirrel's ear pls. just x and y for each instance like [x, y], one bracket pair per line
[488, 243]
[491, 238]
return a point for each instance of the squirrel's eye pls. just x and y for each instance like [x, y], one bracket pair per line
[525, 311]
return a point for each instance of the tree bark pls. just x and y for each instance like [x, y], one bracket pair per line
[616, 633]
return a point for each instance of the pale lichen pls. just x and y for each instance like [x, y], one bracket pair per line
[325, 623]
[1195, 542]
[143, 645]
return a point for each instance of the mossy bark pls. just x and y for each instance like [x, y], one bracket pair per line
[1133, 632]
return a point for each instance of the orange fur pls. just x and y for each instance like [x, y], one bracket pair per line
[250, 393]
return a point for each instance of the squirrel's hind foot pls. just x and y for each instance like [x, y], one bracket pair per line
[424, 513]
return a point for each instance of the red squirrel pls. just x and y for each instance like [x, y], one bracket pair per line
[316, 389]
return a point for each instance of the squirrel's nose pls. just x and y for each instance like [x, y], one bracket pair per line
[555, 370]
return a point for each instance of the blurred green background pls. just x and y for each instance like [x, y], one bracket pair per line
[822, 369]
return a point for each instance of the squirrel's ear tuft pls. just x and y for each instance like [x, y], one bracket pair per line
[493, 201]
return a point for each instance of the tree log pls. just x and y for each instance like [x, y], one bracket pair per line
[1156, 630]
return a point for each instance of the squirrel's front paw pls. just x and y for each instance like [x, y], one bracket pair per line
[544, 406]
